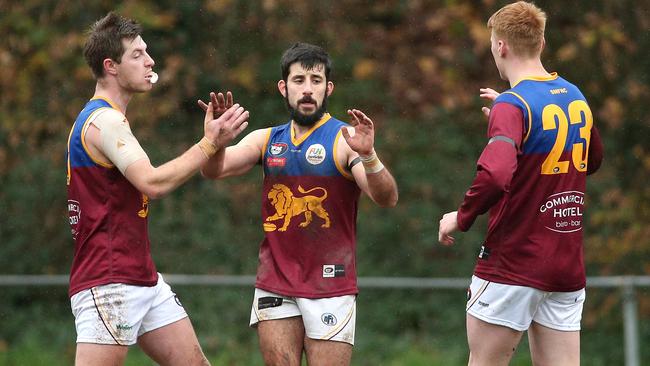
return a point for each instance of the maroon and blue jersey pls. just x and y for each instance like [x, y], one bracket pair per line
[531, 177]
[108, 217]
[309, 210]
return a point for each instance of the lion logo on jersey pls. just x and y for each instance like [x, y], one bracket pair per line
[287, 206]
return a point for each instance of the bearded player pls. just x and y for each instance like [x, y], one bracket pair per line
[305, 291]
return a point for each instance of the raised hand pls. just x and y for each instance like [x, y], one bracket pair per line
[219, 102]
[220, 131]
[363, 139]
[490, 94]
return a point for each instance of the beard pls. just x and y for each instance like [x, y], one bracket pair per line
[306, 120]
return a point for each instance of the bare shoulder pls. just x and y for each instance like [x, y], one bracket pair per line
[105, 117]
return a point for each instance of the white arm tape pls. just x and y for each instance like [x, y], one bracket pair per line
[118, 143]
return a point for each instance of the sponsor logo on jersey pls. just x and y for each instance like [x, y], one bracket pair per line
[276, 162]
[333, 270]
[278, 148]
[287, 205]
[315, 154]
[562, 212]
[74, 213]
[328, 319]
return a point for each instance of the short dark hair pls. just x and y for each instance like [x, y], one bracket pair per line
[308, 55]
[105, 40]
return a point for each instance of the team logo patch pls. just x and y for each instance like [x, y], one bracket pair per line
[328, 319]
[276, 162]
[562, 212]
[278, 148]
[333, 270]
[315, 154]
[287, 206]
[74, 212]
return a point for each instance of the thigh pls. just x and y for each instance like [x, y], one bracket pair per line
[173, 344]
[270, 306]
[89, 354]
[329, 319]
[165, 308]
[561, 310]
[501, 304]
[326, 353]
[550, 347]
[281, 341]
[110, 314]
[490, 344]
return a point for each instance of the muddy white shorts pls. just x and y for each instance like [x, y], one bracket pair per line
[331, 318]
[517, 306]
[118, 313]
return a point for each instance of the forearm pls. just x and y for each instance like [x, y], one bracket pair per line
[382, 188]
[157, 182]
[213, 169]
[495, 169]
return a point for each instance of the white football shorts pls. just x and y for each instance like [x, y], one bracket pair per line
[517, 306]
[118, 313]
[331, 318]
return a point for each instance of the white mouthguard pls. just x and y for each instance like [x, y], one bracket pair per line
[154, 78]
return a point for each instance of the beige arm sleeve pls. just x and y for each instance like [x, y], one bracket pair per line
[118, 143]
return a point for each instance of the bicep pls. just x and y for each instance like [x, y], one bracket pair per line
[243, 156]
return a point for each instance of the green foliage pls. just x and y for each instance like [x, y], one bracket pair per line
[414, 66]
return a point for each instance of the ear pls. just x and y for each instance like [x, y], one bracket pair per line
[330, 88]
[543, 45]
[502, 48]
[110, 66]
[282, 87]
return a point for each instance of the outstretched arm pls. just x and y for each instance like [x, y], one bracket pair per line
[237, 159]
[156, 182]
[372, 176]
[110, 140]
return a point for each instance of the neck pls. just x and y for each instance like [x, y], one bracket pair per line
[300, 130]
[524, 68]
[111, 90]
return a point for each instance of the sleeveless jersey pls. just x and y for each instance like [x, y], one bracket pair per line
[108, 217]
[309, 210]
[535, 234]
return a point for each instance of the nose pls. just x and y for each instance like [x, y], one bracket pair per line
[308, 88]
[149, 62]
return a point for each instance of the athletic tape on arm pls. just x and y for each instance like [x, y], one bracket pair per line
[118, 143]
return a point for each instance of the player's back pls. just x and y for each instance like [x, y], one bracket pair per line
[535, 232]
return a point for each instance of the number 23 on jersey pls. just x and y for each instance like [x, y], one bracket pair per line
[554, 118]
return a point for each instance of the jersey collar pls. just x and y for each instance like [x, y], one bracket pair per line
[298, 141]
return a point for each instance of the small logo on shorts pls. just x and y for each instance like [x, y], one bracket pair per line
[483, 304]
[124, 327]
[328, 319]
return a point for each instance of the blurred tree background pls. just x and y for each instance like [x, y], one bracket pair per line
[415, 66]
